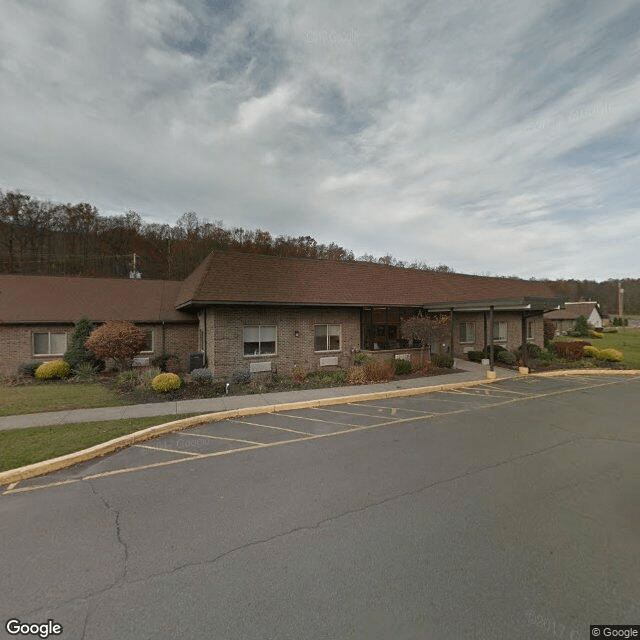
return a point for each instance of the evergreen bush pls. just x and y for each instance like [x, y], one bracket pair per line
[165, 382]
[52, 370]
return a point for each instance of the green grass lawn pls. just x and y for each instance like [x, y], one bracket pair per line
[54, 396]
[19, 447]
[626, 340]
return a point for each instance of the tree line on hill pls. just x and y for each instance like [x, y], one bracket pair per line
[45, 238]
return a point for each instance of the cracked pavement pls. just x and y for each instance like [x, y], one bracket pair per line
[520, 520]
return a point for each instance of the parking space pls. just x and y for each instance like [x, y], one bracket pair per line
[269, 430]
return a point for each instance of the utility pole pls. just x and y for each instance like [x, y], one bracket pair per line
[620, 299]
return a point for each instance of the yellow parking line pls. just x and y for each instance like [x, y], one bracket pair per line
[267, 426]
[204, 435]
[295, 417]
[309, 437]
[184, 453]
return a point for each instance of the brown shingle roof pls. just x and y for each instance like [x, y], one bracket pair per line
[226, 276]
[572, 311]
[66, 299]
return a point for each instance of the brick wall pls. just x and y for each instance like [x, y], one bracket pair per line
[514, 330]
[225, 338]
[16, 343]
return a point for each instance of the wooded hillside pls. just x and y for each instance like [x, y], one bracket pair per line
[48, 238]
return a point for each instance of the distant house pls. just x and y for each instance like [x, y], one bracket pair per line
[258, 313]
[565, 319]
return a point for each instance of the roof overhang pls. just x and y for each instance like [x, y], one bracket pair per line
[519, 304]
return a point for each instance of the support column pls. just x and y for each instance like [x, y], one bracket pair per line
[452, 333]
[525, 351]
[491, 338]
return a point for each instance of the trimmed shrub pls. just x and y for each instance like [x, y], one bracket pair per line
[402, 367]
[120, 341]
[202, 376]
[77, 351]
[506, 357]
[477, 356]
[611, 355]
[164, 382]
[29, 368]
[240, 377]
[54, 369]
[595, 334]
[443, 362]
[590, 352]
[376, 371]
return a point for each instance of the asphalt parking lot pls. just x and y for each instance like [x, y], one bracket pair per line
[504, 510]
[274, 429]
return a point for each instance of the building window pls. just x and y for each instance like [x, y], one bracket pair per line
[530, 330]
[259, 341]
[148, 341]
[467, 332]
[49, 344]
[500, 331]
[327, 337]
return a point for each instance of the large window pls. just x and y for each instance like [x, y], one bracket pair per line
[500, 331]
[467, 332]
[259, 341]
[327, 337]
[49, 344]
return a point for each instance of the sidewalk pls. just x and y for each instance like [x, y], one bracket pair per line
[471, 371]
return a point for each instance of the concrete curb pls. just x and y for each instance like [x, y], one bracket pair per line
[62, 462]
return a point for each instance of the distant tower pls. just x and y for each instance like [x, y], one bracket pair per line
[134, 274]
[620, 299]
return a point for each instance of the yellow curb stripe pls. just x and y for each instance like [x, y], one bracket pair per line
[62, 462]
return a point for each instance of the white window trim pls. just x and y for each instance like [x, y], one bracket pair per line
[153, 341]
[259, 327]
[531, 325]
[33, 342]
[472, 324]
[327, 324]
[496, 334]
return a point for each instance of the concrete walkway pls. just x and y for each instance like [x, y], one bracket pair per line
[471, 371]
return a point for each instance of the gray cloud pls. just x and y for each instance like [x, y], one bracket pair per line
[491, 136]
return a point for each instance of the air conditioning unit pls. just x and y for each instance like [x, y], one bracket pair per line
[196, 361]
[141, 362]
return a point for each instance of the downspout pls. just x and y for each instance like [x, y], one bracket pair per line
[525, 348]
[164, 350]
[451, 338]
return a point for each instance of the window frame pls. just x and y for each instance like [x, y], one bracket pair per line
[260, 327]
[496, 334]
[153, 340]
[327, 325]
[466, 324]
[530, 330]
[48, 334]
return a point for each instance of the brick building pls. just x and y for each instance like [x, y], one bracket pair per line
[265, 313]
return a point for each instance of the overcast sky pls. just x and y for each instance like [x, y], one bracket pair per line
[493, 136]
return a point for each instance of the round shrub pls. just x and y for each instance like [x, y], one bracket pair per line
[166, 382]
[29, 368]
[590, 352]
[240, 377]
[476, 356]
[611, 355]
[596, 334]
[52, 370]
[202, 376]
[506, 357]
